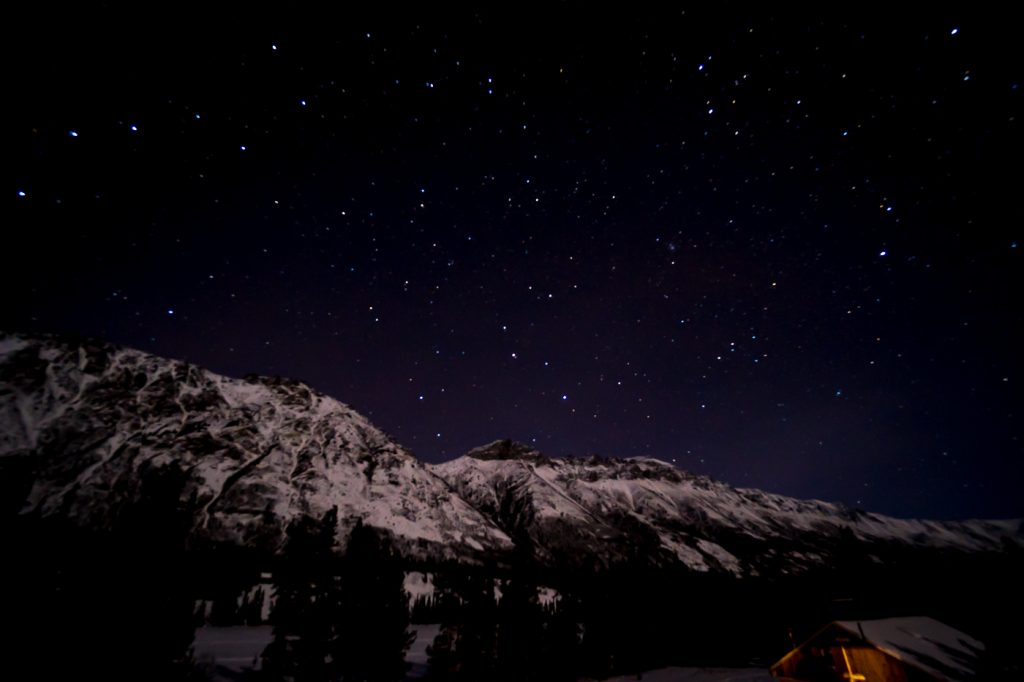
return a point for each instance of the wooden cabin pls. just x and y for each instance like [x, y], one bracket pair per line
[889, 650]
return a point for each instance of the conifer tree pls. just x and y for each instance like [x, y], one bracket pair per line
[75, 586]
[442, 661]
[252, 607]
[557, 655]
[373, 634]
[306, 609]
[146, 582]
[520, 629]
[466, 646]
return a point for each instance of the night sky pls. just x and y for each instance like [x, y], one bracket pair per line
[776, 249]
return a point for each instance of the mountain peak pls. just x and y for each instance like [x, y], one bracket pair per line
[506, 449]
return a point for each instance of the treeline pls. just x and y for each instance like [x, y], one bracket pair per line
[119, 603]
[630, 617]
[113, 603]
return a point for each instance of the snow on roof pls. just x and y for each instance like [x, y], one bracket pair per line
[922, 642]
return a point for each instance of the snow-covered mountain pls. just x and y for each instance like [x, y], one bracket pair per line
[84, 419]
[590, 510]
[89, 417]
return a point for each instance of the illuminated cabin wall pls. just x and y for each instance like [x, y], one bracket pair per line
[823, 660]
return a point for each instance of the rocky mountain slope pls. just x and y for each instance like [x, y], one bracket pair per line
[89, 417]
[587, 510]
[81, 420]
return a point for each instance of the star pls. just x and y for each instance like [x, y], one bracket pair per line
[658, 233]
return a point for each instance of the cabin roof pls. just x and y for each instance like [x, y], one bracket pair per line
[923, 642]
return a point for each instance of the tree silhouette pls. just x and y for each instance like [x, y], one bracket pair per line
[155, 589]
[306, 609]
[520, 631]
[557, 654]
[373, 635]
[465, 648]
[117, 600]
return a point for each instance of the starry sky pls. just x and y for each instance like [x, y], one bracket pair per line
[776, 249]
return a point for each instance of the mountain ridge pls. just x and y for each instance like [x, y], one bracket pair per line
[88, 417]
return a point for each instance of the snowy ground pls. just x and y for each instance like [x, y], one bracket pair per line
[416, 656]
[699, 675]
[228, 653]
